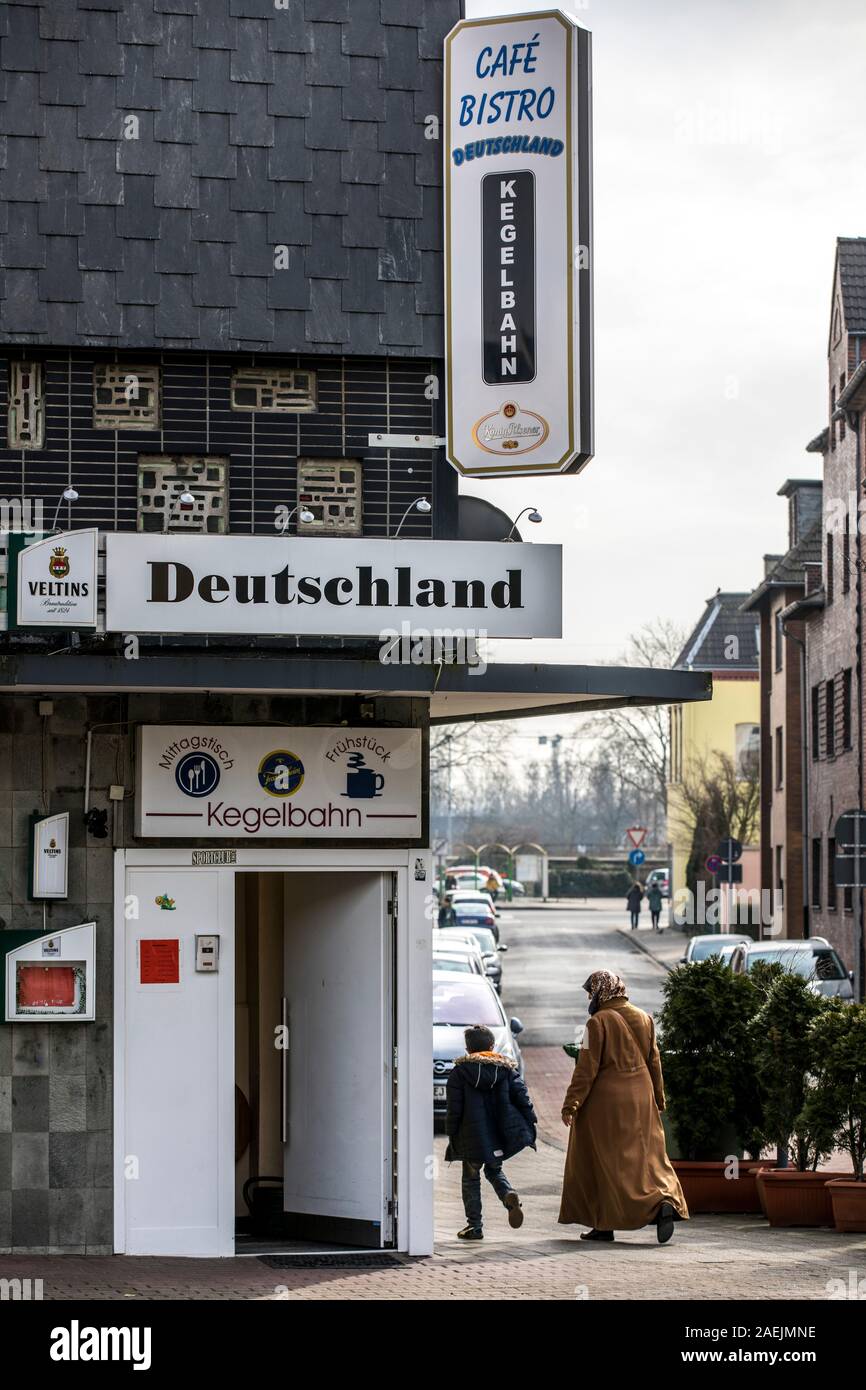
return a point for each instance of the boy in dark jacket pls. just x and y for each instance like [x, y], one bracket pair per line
[489, 1118]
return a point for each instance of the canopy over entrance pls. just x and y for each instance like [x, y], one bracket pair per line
[457, 694]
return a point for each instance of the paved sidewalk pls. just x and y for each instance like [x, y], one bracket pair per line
[710, 1258]
[666, 947]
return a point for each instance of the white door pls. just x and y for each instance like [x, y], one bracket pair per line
[178, 1093]
[338, 1113]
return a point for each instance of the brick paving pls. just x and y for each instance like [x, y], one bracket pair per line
[709, 1258]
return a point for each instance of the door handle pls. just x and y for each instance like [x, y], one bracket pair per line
[284, 1070]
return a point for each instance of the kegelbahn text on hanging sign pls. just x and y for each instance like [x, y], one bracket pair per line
[518, 270]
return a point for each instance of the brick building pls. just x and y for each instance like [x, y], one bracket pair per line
[782, 663]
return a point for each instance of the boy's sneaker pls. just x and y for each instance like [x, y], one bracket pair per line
[470, 1233]
[515, 1210]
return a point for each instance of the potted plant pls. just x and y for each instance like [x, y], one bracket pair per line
[837, 1101]
[785, 1056]
[714, 1102]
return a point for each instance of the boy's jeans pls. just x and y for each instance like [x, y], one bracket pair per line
[471, 1187]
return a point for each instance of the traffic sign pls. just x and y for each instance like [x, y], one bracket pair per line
[730, 850]
[713, 863]
[637, 834]
[636, 857]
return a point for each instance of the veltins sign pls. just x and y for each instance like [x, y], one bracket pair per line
[518, 285]
[57, 581]
[278, 783]
[277, 585]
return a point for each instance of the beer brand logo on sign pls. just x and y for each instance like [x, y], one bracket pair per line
[510, 430]
[58, 565]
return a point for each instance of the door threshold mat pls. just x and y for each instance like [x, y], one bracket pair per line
[368, 1260]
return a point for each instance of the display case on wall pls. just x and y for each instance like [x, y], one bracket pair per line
[49, 976]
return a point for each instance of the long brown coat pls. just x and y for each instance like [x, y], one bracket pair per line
[617, 1172]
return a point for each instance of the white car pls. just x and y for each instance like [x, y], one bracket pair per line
[464, 962]
[814, 959]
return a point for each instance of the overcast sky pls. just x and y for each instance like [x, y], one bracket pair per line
[729, 155]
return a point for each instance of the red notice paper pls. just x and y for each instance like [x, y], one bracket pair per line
[46, 986]
[159, 961]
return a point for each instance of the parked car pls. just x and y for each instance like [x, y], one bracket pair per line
[490, 952]
[700, 947]
[815, 959]
[660, 878]
[462, 962]
[472, 895]
[459, 1001]
[467, 916]
[731, 953]
[472, 876]
[514, 887]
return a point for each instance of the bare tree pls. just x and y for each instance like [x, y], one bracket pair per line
[717, 799]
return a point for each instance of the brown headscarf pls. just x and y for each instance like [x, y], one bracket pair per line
[602, 985]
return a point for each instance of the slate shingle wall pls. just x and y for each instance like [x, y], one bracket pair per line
[256, 127]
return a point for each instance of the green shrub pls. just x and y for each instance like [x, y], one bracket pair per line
[708, 1058]
[783, 1037]
[589, 883]
[836, 1091]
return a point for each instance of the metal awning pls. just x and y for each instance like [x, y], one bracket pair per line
[456, 693]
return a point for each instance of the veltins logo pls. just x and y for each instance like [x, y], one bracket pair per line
[197, 774]
[281, 773]
[58, 564]
[510, 431]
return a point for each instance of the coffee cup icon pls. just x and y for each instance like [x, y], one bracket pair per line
[362, 781]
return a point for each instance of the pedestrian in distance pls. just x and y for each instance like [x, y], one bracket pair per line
[489, 1119]
[654, 903]
[617, 1173]
[633, 902]
[492, 887]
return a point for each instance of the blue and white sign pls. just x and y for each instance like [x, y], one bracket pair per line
[263, 783]
[636, 857]
[518, 273]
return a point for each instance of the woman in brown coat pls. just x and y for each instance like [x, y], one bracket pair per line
[617, 1173]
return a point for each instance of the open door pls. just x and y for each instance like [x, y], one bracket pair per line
[338, 1083]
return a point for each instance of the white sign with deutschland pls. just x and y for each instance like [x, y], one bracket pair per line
[221, 782]
[286, 585]
[517, 245]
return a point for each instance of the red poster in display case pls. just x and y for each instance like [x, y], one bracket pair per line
[159, 961]
[46, 986]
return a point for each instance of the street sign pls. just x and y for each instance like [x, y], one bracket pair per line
[713, 863]
[730, 850]
[637, 834]
[518, 244]
[636, 857]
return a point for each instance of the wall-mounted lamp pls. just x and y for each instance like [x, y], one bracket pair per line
[420, 504]
[534, 516]
[69, 494]
[184, 503]
[306, 516]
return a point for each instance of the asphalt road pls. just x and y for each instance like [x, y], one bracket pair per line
[551, 951]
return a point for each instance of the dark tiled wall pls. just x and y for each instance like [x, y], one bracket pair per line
[257, 127]
[356, 396]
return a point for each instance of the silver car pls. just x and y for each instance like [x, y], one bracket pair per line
[814, 959]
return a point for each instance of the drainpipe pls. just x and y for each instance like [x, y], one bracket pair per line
[804, 774]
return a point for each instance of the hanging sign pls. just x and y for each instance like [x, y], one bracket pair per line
[49, 864]
[56, 581]
[230, 782]
[517, 245]
[359, 588]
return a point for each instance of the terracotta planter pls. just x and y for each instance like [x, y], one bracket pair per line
[848, 1199]
[791, 1198]
[706, 1189]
